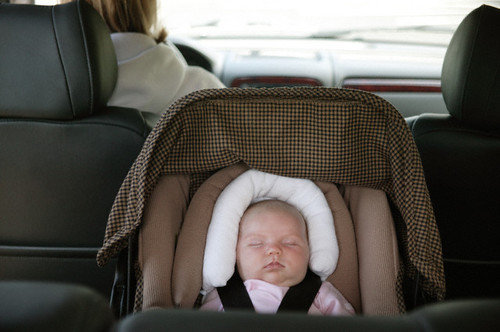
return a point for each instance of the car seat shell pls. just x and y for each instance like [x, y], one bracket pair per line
[339, 136]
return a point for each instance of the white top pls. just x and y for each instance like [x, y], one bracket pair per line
[152, 76]
[266, 298]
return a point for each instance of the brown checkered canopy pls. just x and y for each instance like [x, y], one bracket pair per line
[341, 136]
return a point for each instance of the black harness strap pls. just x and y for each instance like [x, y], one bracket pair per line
[234, 295]
[298, 298]
[301, 296]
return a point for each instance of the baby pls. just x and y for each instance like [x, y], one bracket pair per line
[272, 255]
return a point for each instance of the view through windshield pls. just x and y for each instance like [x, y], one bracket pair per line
[408, 21]
[426, 21]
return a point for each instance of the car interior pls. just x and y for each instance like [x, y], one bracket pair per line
[65, 155]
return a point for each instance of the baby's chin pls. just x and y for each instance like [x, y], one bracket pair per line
[281, 279]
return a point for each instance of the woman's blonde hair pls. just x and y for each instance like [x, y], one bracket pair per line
[131, 16]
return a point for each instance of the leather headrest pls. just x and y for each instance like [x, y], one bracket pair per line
[471, 70]
[57, 62]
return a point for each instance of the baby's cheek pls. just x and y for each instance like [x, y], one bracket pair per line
[303, 256]
[246, 259]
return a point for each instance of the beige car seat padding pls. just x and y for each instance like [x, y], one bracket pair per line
[378, 256]
[188, 261]
[377, 249]
[156, 244]
[345, 277]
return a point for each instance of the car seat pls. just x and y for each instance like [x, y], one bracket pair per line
[461, 157]
[379, 258]
[63, 153]
[349, 138]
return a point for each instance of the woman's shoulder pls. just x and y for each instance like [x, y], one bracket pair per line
[199, 78]
[131, 45]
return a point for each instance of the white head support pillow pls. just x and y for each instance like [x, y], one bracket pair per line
[252, 186]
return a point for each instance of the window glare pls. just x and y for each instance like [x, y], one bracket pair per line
[45, 2]
[362, 19]
[406, 21]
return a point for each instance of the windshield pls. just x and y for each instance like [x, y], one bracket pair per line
[401, 21]
[408, 21]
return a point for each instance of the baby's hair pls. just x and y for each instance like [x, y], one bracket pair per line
[274, 204]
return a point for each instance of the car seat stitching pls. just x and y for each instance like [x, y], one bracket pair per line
[414, 124]
[469, 64]
[458, 130]
[35, 251]
[85, 46]
[65, 123]
[472, 262]
[416, 290]
[62, 62]
[492, 92]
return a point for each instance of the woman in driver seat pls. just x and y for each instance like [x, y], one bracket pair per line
[152, 73]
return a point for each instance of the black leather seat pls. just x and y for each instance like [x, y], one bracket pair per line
[63, 153]
[461, 157]
[452, 316]
[54, 307]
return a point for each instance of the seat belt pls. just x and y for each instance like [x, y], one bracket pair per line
[301, 296]
[234, 295]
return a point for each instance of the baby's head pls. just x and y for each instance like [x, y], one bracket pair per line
[272, 244]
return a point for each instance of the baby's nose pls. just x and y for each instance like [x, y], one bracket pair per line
[273, 249]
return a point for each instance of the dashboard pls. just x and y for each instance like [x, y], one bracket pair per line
[406, 75]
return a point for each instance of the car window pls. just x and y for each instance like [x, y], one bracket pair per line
[421, 22]
[425, 21]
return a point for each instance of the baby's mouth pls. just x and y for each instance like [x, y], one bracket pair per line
[274, 266]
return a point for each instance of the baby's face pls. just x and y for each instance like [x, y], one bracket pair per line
[272, 246]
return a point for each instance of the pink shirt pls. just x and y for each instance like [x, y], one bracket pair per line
[266, 298]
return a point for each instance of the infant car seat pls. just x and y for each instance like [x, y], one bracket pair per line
[354, 145]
